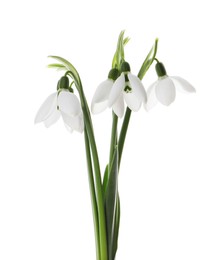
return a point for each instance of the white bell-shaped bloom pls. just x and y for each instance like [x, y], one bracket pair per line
[164, 90]
[100, 99]
[116, 90]
[64, 104]
[128, 88]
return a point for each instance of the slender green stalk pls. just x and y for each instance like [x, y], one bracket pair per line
[116, 226]
[110, 229]
[99, 194]
[96, 164]
[113, 136]
[93, 196]
[123, 134]
[98, 182]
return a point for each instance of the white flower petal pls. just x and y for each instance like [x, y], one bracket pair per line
[100, 99]
[73, 122]
[132, 101]
[151, 97]
[165, 91]
[70, 130]
[116, 90]
[118, 106]
[53, 118]
[46, 108]
[183, 85]
[69, 103]
[137, 87]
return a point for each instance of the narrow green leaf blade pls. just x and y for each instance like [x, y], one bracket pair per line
[116, 227]
[119, 54]
[126, 40]
[110, 198]
[69, 67]
[105, 179]
[57, 66]
[148, 61]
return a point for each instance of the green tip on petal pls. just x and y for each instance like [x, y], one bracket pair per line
[113, 74]
[125, 67]
[160, 69]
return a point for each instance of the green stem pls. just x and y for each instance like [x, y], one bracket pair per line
[98, 182]
[113, 136]
[110, 240]
[123, 134]
[99, 194]
[93, 196]
[97, 172]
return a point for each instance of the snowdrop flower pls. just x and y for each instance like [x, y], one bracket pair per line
[63, 103]
[164, 89]
[128, 88]
[100, 99]
[111, 93]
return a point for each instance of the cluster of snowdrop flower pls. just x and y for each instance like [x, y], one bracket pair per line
[129, 88]
[121, 87]
[121, 90]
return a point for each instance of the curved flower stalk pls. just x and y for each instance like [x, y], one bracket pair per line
[164, 89]
[93, 164]
[63, 103]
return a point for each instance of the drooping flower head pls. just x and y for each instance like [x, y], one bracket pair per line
[100, 99]
[164, 89]
[128, 88]
[117, 89]
[63, 103]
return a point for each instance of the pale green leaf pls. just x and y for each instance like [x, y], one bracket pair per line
[119, 54]
[69, 67]
[126, 40]
[57, 66]
[116, 227]
[148, 61]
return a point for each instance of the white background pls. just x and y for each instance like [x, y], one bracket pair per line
[170, 184]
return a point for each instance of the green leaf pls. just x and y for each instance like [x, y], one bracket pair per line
[119, 54]
[126, 40]
[116, 227]
[57, 66]
[148, 61]
[110, 202]
[69, 67]
[105, 179]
